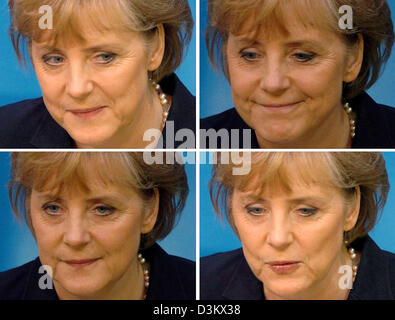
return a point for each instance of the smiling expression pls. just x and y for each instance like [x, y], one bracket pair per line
[287, 85]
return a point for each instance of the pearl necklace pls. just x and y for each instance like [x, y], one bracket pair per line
[163, 101]
[146, 275]
[353, 256]
[352, 122]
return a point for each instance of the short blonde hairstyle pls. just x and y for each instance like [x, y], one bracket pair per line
[343, 170]
[371, 19]
[68, 171]
[104, 15]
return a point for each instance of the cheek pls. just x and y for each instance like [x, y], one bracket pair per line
[250, 234]
[122, 240]
[243, 83]
[51, 85]
[321, 243]
[48, 238]
[323, 83]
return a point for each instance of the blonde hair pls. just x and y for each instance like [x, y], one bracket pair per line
[371, 19]
[68, 172]
[103, 15]
[343, 170]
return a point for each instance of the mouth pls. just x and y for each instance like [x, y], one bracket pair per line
[87, 113]
[279, 107]
[284, 267]
[79, 264]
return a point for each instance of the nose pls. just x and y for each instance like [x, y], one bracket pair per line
[79, 85]
[76, 233]
[274, 78]
[280, 233]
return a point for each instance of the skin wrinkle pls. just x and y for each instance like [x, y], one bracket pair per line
[274, 76]
[79, 232]
[82, 82]
[282, 233]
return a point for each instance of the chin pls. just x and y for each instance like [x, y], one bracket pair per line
[279, 133]
[84, 289]
[91, 139]
[286, 289]
[277, 138]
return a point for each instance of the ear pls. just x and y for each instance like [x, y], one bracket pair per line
[353, 212]
[157, 49]
[355, 60]
[150, 214]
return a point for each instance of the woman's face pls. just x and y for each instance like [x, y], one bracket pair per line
[288, 87]
[98, 90]
[91, 240]
[293, 242]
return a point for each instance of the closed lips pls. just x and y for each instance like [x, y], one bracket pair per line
[85, 261]
[279, 105]
[86, 110]
[281, 263]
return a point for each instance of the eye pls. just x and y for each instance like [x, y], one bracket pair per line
[249, 55]
[52, 209]
[304, 57]
[103, 210]
[255, 211]
[105, 58]
[307, 212]
[53, 60]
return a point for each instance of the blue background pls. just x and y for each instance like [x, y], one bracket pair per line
[17, 246]
[216, 95]
[218, 237]
[17, 84]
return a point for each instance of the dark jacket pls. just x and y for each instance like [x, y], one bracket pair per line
[171, 278]
[28, 124]
[375, 126]
[227, 276]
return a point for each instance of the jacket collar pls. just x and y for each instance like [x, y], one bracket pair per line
[374, 274]
[243, 280]
[49, 133]
[165, 282]
[32, 289]
[372, 128]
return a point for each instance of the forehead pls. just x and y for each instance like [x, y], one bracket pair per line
[286, 172]
[82, 175]
[80, 21]
[279, 17]
[92, 41]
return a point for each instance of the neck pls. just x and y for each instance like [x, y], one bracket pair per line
[337, 125]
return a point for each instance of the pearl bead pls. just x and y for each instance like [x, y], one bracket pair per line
[145, 273]
[352, 122]
[163, 101]
[353, 255]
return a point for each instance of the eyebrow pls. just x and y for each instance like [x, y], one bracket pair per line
[100, 47]
[291, 44]
[293, 200]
